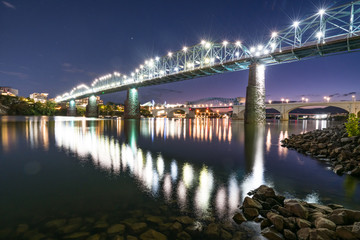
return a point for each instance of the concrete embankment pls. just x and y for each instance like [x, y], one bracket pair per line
[331, 145]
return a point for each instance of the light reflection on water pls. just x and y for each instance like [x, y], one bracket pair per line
[210, 185]
[153, 173]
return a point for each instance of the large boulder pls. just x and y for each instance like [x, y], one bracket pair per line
[325, 223]
[296, 208]
[277, 220]
[239, 218]
[152, 235]
[271, 234]
[251, 203]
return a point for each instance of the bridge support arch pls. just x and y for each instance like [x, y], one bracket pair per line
[91, 107]
[71, 111]
[132, 104]
[255, 94]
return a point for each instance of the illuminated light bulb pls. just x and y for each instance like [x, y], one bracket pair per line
[161, 72]
[157, 58]
[272, 45]
[252, 49]
[207, 45]
[274, 34]
[266, 51]
[225, 43]
[238, 43]
[237, 54]
[296, 24]
[185, 49]
[319, 35]
[257, 54]
[203, 42]
[169, 54]
[207, 60]
[176, 69]
[260, 47]
[141, 66]
[321, 12]
[212, 60]
[132, 74]
[136, 70]
[146, 62]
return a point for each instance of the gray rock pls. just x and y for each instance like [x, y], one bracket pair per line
[212, 231]
[185, 220]
[239, 218]
[295, 207]
[272, 234]
[77, 235]
[325, 223]
[137, 228]
[322, 233]
[289, 235]
[176, 227]
[225, 235]
[56, 223]
[116, 228]
[303, 233]
[154, 220]
[251, 203]
[345, 140]
[344, 232]
[94, 237]
[152, 235]
[183, 236]
[356, 228]
[129, 237]
[251, 213]
[302, 223]
[277, 220]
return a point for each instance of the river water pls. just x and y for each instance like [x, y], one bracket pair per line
[66, 166]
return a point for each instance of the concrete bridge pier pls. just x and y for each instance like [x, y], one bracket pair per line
[91, 107]
[71, 111]
[132, 104]
[190, 114]
[284, 116]
[255, 94]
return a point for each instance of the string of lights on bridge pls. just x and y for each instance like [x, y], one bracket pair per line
[325, 24]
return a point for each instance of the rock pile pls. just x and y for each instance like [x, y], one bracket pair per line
[331, 145]
[292, 219]
[138, 227]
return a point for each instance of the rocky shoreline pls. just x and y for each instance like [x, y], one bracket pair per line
[293, 219]
[276, 217]
[331, 145]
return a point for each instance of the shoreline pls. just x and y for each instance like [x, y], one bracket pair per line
[330, 145]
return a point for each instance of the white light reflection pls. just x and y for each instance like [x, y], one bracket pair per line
[204, 190]
[221, 202]
[188, 175]
[174, 170]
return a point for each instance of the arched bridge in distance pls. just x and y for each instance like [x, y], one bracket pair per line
[238, 108]
[327, 32]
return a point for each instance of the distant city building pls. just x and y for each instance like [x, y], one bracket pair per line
[84, 101]
[39, 97]
[8, 91]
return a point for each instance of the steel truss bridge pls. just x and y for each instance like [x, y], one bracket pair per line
[327, 32]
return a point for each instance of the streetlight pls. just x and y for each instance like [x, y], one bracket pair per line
[306, 99]
[282, 100]
[302, 99]
[270, 101]
[287, 100]
[353, 98]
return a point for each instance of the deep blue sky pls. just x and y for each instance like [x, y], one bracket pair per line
[52, 46]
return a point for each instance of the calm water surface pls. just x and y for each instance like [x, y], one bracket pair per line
[52, 167]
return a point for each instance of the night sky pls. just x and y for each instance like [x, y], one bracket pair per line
[52, 46]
